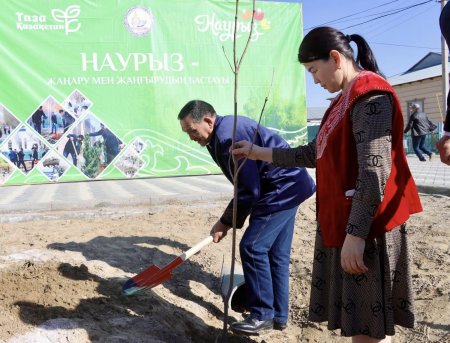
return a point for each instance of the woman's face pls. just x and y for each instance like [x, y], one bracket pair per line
[327, 73]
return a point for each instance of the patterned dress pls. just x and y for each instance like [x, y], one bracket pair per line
[371, 303]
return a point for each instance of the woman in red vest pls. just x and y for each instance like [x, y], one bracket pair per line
[361, 279]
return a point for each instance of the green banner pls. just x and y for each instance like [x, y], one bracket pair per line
[92, 89]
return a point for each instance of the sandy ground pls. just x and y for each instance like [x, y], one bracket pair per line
[61, 279]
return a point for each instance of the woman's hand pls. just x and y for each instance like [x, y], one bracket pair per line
[352, 254]
[244, 149]
[252, 151]
[443, 146]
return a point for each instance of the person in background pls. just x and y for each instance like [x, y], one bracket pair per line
[443, 145]
[420, 127]
[13, 156]
[270, 196]
[54, 120]
[112, 143]
[361, 278]
[73, 147]
[21, 156]
[37, 119]
[67, 119]
[34, 155]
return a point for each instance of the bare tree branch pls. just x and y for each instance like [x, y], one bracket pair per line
[249, 35]
[228, 60]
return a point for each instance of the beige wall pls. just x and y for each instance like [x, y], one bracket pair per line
[430, 90]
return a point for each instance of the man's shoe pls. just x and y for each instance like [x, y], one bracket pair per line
[431, 156]
[279, 326]
[252, 326]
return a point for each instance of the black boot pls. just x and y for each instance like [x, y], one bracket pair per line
[252, 326]
[279, 326]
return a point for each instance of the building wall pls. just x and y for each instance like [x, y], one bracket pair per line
[430, 90]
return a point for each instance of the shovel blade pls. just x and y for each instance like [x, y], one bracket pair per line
[153, 276]
[157, 279]
[138, 281]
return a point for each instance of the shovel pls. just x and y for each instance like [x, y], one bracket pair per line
[153, 275]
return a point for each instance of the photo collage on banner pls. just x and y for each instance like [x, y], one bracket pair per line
[9, 157]
[130, 162]
[90, 145]
[24, 149]
[57, 136]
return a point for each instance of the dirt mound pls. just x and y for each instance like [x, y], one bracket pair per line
[61, 280]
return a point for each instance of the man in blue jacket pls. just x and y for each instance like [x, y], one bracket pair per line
[270, 195]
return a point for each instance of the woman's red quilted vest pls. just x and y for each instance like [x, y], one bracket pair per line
[337, 167]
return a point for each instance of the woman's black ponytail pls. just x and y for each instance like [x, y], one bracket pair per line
[366, 58]
[318, 43]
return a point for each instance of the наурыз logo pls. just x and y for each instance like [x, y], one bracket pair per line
[224, 29]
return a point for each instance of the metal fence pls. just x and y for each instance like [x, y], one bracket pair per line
[430, 142]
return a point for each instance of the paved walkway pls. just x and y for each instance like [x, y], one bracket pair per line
[430, 177]
[27, 200]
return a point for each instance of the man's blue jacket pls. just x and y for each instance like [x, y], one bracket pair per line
[262, 187]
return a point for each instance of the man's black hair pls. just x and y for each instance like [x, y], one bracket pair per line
[197, 109]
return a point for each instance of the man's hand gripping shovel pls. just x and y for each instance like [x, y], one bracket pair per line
[153, 275]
